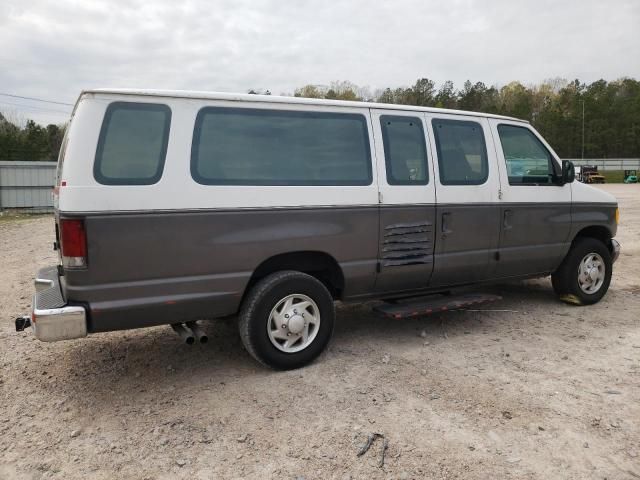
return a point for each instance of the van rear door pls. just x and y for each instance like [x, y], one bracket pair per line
[407, 200]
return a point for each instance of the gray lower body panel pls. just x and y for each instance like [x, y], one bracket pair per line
[156, 268]
[164, 267]
[584, 215]
[466, 239]
[534, 238]
[406, 247]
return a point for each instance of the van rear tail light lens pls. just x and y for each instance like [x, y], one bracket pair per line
[73, 242]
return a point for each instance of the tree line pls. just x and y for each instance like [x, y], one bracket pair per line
[555, 108]
[31, 142]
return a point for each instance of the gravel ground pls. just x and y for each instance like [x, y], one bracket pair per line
[529, 388]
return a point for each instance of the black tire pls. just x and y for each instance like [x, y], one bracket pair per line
[257, 306]
[565, 278]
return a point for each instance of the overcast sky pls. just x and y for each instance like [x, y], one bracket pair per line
[54, 49]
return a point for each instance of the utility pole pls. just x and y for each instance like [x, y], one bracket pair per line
[582, 129]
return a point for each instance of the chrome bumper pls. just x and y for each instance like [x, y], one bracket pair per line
[52, 319]
[615, 250]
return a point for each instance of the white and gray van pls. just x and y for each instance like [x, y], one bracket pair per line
[172, 207]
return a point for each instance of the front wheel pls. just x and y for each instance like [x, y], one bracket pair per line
[584, 276]
[286, 320]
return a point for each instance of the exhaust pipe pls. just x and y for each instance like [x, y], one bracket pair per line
[197, 330]
[22, 323]
[185, 334]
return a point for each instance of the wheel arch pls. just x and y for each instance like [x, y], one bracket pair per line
[599, 232]
[318, 264]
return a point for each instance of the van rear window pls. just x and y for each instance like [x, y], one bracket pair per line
[244, 146]
[133, 144]
[405, 151]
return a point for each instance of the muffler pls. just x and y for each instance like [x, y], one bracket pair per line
[185, 333]
[197, 330]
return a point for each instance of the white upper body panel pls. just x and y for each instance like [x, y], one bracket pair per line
[176, 190]
[486, 192]
[550, 193]
[125, 94]
[79, 191]
[402, 194]
[583, 193]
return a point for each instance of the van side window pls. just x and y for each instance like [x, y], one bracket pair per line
[133, 144]
[405, 151]
[462, 152]
[528, 161]
[246, 146]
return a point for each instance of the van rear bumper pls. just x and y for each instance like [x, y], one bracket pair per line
[52, 319]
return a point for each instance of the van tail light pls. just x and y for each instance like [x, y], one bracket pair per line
[73, 243]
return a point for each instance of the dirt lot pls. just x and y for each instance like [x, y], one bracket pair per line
[537, 389]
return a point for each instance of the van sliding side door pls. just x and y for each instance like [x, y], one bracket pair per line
[407, 200]
[467, 185]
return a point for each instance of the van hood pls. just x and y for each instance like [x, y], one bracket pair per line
[583, 193]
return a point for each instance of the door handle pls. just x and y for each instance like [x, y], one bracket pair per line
[506, 220]
[444, 224]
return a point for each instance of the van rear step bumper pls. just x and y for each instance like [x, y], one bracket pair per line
[436, 305]
[52, 319]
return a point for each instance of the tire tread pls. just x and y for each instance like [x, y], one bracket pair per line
[255, 296]
[564, 281]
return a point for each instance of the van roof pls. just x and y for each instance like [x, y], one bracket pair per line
[245, 97]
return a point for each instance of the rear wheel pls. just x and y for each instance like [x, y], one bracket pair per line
[584, 276]
[286, 320]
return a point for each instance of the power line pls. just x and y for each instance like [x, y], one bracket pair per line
[35, 99]
[30, 107]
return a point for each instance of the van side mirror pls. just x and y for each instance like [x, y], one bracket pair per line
[568, 172]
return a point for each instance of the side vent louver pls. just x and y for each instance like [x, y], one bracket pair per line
[407, 244]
